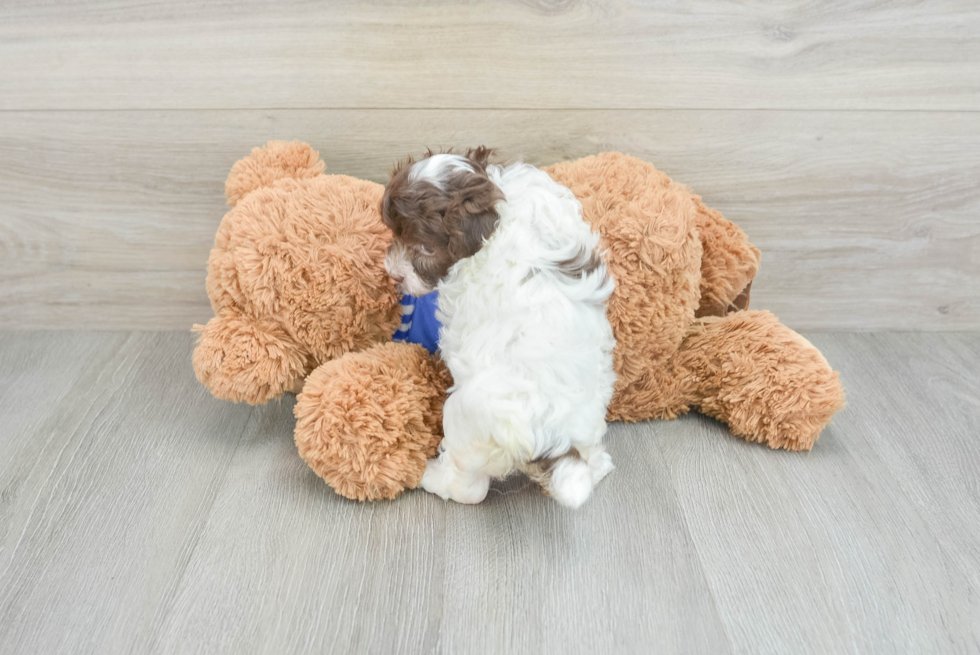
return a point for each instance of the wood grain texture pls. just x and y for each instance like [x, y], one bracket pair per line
[105, 486]
[621, 575]
[137, 514]
[866, 220]
[824, 544]
[104, 54]
[871, 542]
[934, 452]
[284, 565]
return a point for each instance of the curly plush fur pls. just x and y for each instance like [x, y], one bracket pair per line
[299, 290]
[393, 394]
[293, 277]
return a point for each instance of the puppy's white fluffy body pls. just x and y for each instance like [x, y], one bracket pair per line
[526, 338]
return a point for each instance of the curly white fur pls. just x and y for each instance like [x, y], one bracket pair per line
[529, 347]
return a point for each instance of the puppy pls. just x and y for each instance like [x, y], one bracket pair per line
[522, 301]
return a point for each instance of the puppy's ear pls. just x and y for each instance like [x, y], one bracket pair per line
[401, 168]
[471, 215]
[398, 187]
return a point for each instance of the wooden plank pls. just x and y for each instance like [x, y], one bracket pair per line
[105, 493]
[285, 565]
[916, 400]
[619, 575]
[840, 550]
[551, 54]
[38, 372]
[29, 386]
[137, 514]
[865, 220]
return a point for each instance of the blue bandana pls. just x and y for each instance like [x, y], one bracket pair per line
[419, 322]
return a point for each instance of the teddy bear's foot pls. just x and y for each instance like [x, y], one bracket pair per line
[765, 381]
[368, 422]
[240, 359]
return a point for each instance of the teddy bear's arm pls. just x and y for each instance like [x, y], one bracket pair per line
[368, 422]
[728, 263]
[239, 358]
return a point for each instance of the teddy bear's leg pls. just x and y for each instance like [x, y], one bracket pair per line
[238, 358]
[728, 263]
[275, 161]
[368, 422]
[765, 381]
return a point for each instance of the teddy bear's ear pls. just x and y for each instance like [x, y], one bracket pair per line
[277, 160]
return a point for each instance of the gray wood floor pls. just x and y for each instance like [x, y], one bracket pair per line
[137, 514]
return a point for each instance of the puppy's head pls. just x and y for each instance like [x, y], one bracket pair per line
[440, 209]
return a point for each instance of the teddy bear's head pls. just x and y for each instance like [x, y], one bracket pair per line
[296, 276]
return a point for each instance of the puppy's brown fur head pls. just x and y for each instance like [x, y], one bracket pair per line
[441, 210]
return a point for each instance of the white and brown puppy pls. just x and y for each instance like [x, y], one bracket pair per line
[522, 300]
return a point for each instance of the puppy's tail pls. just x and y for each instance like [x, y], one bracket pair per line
[569, 478]
[571, 481]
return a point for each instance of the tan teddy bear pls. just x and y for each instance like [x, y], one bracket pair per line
[302, 303]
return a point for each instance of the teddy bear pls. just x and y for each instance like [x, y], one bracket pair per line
[302, 304]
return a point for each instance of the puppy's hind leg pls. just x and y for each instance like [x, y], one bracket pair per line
[444, 478]
[600, 463]
[459, 472]
[590, 448]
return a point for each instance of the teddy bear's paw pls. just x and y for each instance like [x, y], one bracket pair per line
[242, 360]
[764, 380]
[368, 422]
